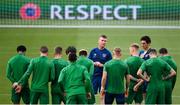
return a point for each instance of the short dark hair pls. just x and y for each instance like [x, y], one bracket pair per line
[58, 50]
[72, 57]
[104, 36]
[21, 48]
[71, 49]
[135, 45]
[83, 52]
[146, 38]
[152, 51]
[163, 51]
[44, 49]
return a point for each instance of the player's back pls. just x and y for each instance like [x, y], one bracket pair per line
[173, 64]
[155, 68]
[134, 63]
[73, 79]
[84, 61]
[18, 65]
[116, 71]
[42, 71]
[59, 64]
[170, 61]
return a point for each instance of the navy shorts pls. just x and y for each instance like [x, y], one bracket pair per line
[96, 81]
[145, 84]
[109, 98]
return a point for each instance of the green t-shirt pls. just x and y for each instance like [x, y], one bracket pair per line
[59, 64]
[134, 64]
[42, 70]
[16, 68]
[82, 60]
[73, 79]
[172, 63]
[116, 71]
[155, 68]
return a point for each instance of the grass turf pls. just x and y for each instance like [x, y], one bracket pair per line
[33, 38]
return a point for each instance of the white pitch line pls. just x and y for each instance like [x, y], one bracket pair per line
[88, 26]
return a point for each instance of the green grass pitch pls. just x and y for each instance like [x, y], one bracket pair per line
[81, 38]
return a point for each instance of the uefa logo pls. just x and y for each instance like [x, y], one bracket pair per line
[30, 11]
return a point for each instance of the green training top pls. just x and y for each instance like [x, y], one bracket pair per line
[155, 68]
[134, 64]
[59, 64]
[82, 60]
[73, 79]
[116, 71]
[172, 63]
[43, 72]
[16, 68]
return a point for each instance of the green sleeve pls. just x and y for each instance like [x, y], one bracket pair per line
[27, 64]
[87, 80]
[61, 80]
[143, 66]
[174, 65]
[52, 72]
[105, 67]
[127, 66]
[167, 67]
[91, 71]
[127, 70]
[9, 73]
[61, 77]
[67, 63]
[27, 74]
[125, 61]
